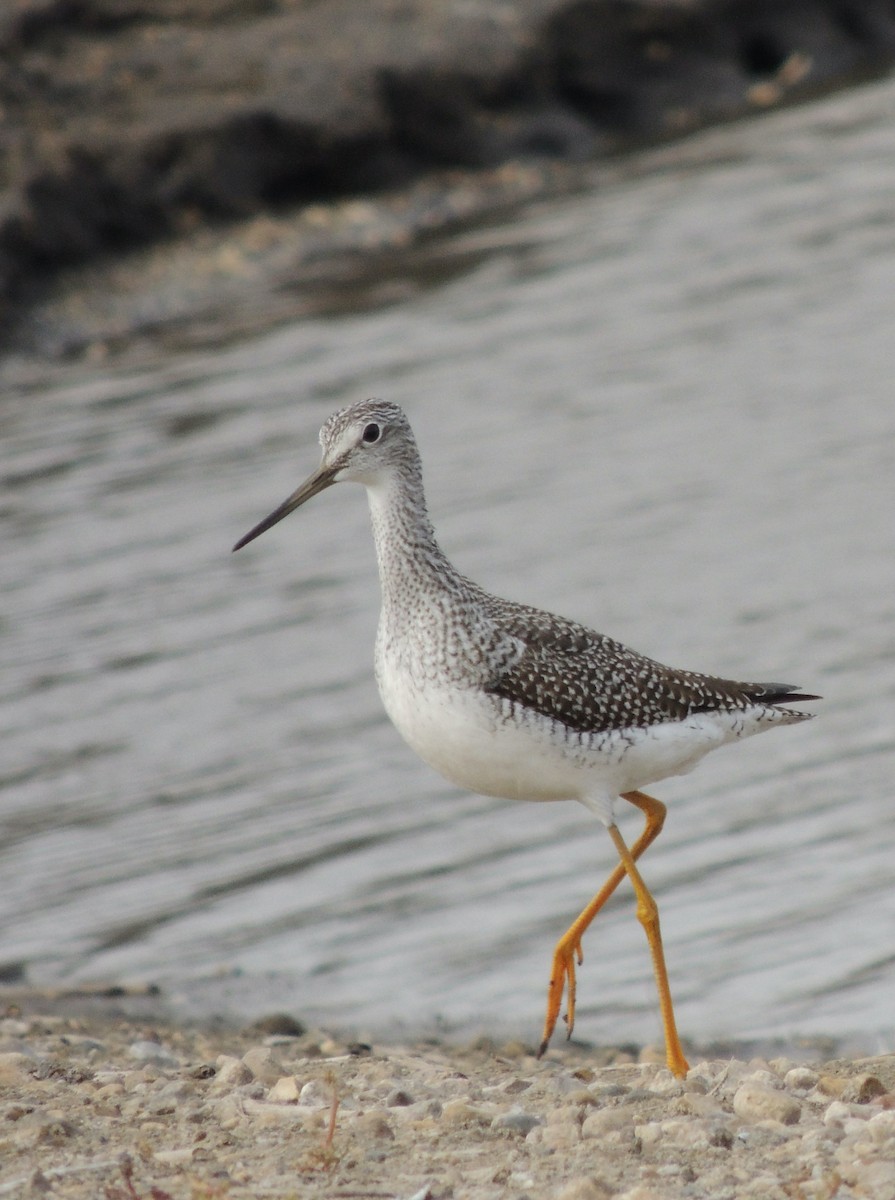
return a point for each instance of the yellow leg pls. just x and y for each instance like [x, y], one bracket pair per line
[568, 948]
[648, 916]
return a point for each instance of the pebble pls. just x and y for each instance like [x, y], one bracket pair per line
[516, 1121]
[679, 1131]
[263, 1064]
[755, 1101]
[800, 1079]
[15, 1067]
[666, 1084]
[554, 1137]
[231, 1072]
[863, 1090]
[147, 1051]
[285, 1090]
[316, 1094]
[608, 1121]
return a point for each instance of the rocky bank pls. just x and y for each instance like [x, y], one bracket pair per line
[147, 123]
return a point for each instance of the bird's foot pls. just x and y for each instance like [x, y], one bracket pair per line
[562, 981]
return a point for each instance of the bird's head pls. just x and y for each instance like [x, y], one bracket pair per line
[363, 443]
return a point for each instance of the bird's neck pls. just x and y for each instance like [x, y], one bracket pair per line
[406, 549]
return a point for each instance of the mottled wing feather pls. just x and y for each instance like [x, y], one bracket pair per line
[592, 683]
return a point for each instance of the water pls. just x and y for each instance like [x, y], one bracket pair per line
[663, 407]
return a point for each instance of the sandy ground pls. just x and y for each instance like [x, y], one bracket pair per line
[106, 1106]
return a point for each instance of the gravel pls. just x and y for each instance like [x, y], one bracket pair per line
[108, 1107]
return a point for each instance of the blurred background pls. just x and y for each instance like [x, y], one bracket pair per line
[647, 350]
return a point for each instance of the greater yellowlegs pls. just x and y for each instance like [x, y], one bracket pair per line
[511, 701]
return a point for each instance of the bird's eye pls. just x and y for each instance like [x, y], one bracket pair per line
[371, 433]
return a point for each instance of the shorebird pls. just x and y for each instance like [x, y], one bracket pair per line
[511, 701]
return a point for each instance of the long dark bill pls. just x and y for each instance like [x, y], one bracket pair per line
[322, 478]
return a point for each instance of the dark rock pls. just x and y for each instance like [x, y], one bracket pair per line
[281, 1024]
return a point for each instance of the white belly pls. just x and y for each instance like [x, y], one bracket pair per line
[460, 734]
[468, 738]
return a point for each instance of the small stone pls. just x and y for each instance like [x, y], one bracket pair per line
[261, 1062]
[757, 1102]
[650, 1133]
[516, 1050]
[284, 1091]
[279, 1025]
[375, 1123]
[801, 1079]
[863, 1090]
[882, 1125]
[832, 1085]
[178, 1089]
[608, 1120]
[398, 1099]
[316, 1093]
[229, 1112]
[232, 1072]
[101, 1078]
[147, 1051]
[782, 1066]
[515, 1121]
[836, 1113]
[607, 1091]
[666, 1084]
[555, 1137]
[15, 1068]
[687, 1133]
[515, 1086]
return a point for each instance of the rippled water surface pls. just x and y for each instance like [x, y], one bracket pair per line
[664, 407]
